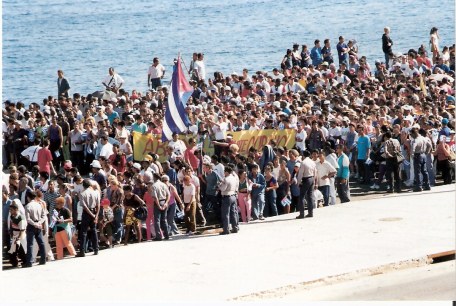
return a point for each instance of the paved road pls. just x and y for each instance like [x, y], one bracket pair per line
[427, 283]
[263, 256]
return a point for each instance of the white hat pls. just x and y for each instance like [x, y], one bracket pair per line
[137, 166]
[227, 87]
[297, 165]
[114, 100]
[326, 102]
[95, 164]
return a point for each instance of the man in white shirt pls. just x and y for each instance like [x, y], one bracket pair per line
[325, 171]
[113, 82]
[106, 148]
[300, 137]
[31, 153]
[178, 145]
[200, 67]
[335, 132]
[307, 180]
[228, 188]
[155, 74]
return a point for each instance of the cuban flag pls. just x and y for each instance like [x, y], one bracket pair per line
[176, 120]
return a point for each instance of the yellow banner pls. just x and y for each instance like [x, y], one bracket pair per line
[146, 144]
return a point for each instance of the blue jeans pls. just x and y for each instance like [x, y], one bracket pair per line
[35, 233]
[229, 214]
[430, 169]
[160, 222]
[325, 191]
[118, 230]
[270, 207]
[387, 60]
[419, 166]
[172, 228]
[257, 205]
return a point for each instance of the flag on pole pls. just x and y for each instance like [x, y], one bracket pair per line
[176, 119]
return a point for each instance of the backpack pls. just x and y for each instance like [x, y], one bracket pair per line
[141, 213]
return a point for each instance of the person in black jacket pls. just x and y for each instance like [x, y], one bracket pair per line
[62, 85]
[387, 44]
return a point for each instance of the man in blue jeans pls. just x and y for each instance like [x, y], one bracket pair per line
[258, 188]
[420, 148]
[363, 154]
[35, 216]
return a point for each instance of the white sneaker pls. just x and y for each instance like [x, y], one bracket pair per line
[190, 233]
[373, 186]
[377, 186]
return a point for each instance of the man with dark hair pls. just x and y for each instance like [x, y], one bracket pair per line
[307, 179]
[62, 85]
[392, 149]
[35, 216]
[420, 147]
[228, 189]
[90, 202]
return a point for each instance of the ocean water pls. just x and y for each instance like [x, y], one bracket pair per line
[86, 37]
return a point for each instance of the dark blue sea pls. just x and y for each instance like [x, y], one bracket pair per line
[85, 37]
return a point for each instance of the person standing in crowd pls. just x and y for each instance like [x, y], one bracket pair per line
[131, 203]
[326, 52]
[420, 147]
[90, 202]
[161, 196]
[387, 45]
[17, 225]
[392, 150]
[245, 204]
[112, 83]
[315, 54]
[189, 197]
[228, 188]
[211, 179]
[62, 85]
[258, 190]
[55, 137]
[76, 146]
[363, 147]
[325, 172]
[35, 216]
[155, 74]
[434, 43]
[283, 181]
[307, 176]
[343, 174]
[173, 199]
[200, 68]
[270, 195]
[62, 228]
[342, 51]
[443, 153]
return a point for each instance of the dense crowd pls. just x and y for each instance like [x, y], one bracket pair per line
[72, 174]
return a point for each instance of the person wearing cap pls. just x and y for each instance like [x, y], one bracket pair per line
[125, 147]
[62, 230]
[90, 202]
[445, 130]
[99, 175]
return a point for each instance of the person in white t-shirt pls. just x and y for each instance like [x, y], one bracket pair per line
[178, 145]
[301, 136]
[155, 74]
[113, 82]
[200, 67]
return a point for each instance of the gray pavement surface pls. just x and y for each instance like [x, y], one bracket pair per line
[266, 255]
[426, 283]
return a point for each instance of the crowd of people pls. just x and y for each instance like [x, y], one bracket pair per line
[72, 173]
